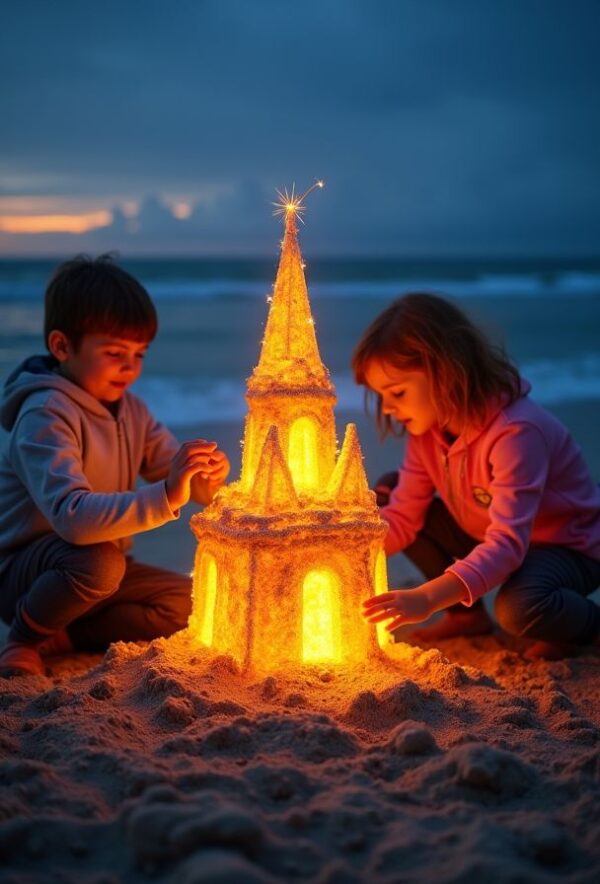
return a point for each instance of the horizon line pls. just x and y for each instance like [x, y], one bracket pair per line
[584, 257]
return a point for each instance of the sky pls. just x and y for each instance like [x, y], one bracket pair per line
[440, 127]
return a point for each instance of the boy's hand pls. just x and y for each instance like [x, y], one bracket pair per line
[400, 606]
[205, 484]
[197, 458]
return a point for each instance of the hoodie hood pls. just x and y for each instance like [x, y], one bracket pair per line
[39, 373]
[496, 406]
[473, 432]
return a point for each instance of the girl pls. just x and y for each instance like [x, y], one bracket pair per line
[493, 490]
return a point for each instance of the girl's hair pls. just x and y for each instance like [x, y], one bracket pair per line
[91, 296]
[427, 333]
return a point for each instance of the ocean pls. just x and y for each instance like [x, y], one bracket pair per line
[212, 314]
[545, 312]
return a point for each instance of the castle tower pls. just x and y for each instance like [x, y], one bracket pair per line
[290, 387]
[287, 554]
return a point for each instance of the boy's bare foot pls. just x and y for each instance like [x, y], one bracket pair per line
[471, 621]
[17, 658]
[551, 651]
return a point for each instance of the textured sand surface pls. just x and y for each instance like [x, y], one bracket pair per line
[160, 762]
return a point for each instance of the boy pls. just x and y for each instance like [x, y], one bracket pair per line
[76, 445]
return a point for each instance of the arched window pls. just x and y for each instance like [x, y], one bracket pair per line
[302, 454]
[207, 586]
[381, 586]
[321, 616]
[248, 457]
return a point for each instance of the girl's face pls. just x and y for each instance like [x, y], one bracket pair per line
[405, 395]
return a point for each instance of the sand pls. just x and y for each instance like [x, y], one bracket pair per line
[163, 762]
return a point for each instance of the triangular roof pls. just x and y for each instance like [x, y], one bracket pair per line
[290, 355]
[273, 485]
[348, 483]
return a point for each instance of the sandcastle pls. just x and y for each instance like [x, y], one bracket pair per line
[287, 554]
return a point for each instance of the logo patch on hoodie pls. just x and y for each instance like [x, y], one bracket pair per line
[481, 496]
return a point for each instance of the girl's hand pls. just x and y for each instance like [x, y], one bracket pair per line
[399, 606]
[197, 458]
[405, 606]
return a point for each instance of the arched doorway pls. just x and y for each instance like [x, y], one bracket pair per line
[321, 616]
[381, 586]
[207, 584]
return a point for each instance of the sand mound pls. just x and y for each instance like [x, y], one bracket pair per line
[163, 762]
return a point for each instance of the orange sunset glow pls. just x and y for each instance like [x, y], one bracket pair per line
[24, 224]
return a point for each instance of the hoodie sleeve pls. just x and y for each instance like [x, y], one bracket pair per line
[409, 502]
[519, 462]
[46, 456]
[160, 447]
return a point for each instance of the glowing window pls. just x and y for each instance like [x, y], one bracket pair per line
[207, 581]
[249, 449]
[302, 454]
[320, 616]
[381, 586]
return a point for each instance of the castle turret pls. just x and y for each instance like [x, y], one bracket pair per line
[272, 486]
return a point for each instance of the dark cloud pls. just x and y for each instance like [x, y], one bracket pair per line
[437, 125]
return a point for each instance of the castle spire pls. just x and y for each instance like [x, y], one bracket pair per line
[348, 484]
[290, 354]
[273, 482]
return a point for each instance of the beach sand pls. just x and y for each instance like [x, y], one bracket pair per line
[161, 762]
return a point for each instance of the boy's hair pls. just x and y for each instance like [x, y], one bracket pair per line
[427, 333]
[93, 295]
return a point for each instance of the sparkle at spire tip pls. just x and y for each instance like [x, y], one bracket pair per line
[291, 204]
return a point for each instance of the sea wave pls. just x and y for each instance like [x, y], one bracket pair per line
[180, 401]
[492, 285]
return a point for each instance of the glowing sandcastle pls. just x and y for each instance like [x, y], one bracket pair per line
[287, 554]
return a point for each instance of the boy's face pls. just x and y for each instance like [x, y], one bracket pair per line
[104, 366]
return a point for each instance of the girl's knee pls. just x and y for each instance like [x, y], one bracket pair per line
[517, 608]
[506, 611]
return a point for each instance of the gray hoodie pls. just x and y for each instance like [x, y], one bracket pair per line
[69, 466]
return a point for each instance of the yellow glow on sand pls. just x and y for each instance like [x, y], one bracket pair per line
[319, 602]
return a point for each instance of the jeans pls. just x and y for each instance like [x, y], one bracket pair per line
[94, 591]
[544, 599]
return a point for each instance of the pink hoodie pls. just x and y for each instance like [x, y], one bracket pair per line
[520, 479]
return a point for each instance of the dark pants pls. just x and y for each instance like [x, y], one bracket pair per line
[94, 591]
[544, 599]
